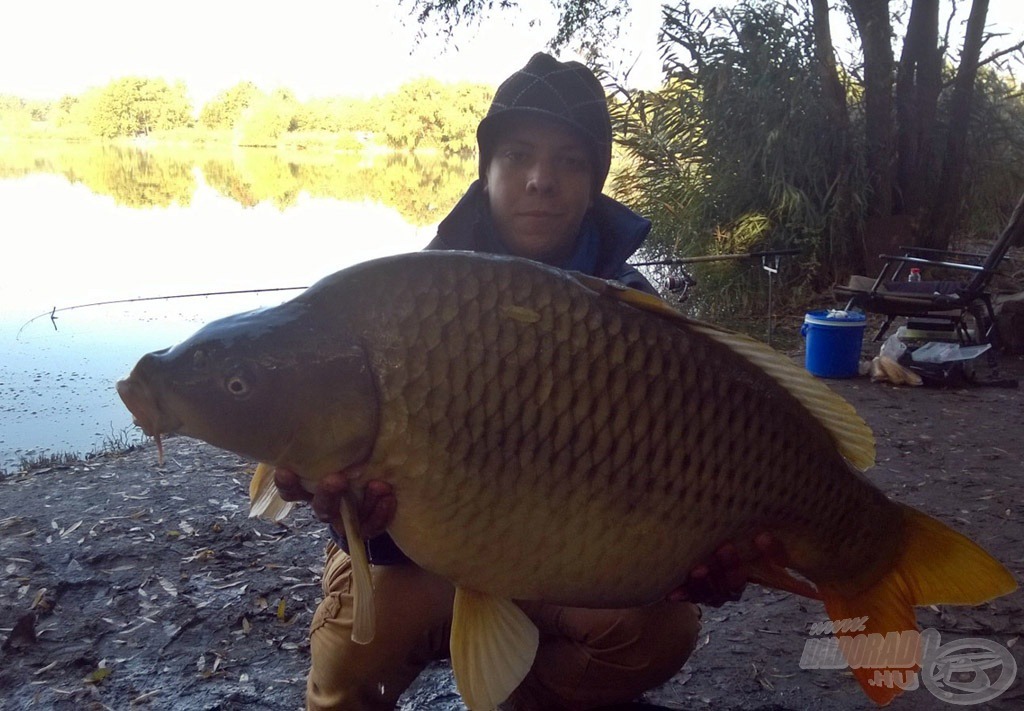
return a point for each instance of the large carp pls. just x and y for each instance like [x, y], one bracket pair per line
[555, 437]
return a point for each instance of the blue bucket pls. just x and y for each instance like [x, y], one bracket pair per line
[834, 341]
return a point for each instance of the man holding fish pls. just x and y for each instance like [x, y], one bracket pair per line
[545, 151]
[527, 433]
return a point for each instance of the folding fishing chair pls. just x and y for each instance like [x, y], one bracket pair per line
[955, 304]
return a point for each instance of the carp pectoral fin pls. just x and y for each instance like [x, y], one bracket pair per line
[493, 645]
[364, 616]
[772, 575]
[935, 566]
[264, 500]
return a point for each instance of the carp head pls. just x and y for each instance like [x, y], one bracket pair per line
[274, 384]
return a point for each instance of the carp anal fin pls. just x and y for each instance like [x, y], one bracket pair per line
[264, 499]
[851, 434]
[493, 646]
[935, 566]
[364, 617]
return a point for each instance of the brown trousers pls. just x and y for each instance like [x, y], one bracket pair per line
[587, 658]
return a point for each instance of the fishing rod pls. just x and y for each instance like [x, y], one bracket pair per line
[716, 258]
[52, 313]
[681, 285]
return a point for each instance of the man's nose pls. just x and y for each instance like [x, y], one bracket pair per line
[542, 177]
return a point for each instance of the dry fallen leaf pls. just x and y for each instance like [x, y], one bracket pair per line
[97, 676]
[41, 601]
[168, 587]
[280, 610]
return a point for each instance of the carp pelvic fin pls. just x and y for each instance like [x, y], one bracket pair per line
[264, 500]
[773, 575]
[493, 645]
[935, 566]
[364, 617]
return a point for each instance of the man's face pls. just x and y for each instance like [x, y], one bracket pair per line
[539, 184]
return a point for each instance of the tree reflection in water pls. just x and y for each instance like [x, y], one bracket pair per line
[421, 188]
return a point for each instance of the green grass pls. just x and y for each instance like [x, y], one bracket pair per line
[120, 441]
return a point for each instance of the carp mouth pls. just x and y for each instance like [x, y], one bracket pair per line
[146, 412]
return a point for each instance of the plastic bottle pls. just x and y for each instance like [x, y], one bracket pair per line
[915, 274]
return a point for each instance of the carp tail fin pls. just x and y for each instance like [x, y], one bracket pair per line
[264, 500]
[493, 646]
[936, 566]
[364, 617]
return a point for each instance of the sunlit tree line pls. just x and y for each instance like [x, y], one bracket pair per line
[421, 114]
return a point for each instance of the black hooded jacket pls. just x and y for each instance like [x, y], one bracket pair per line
[611, 233]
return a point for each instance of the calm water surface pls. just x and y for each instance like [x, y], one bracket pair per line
[66, 241]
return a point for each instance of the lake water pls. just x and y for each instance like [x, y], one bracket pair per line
[85, 224]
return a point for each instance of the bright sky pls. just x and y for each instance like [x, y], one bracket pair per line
[314, 47]
[49, 48]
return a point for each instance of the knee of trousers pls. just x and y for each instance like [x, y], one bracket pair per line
[659, 637]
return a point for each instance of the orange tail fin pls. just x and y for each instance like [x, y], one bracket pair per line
[936, 566]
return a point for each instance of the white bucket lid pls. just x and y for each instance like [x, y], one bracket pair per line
[833, 317]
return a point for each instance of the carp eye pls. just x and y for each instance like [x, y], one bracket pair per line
[237, 386]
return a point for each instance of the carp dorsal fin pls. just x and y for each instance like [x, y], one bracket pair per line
[851, 434]
[364, 617]
[264, 500]
[493, 645]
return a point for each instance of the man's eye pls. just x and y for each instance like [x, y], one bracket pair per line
[515, 156]
[576, 162]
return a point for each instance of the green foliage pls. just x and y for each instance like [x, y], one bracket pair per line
[135, 106]
[225, 109]
[337, 115]
[266, 120]
[132, 177]
[735, 153]
[15, 116]
[590, 22]
[429, 114]
[423, 115]
[420, 188]
[995, 169]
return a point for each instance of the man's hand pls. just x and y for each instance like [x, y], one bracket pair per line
[375, 512]
[721, 578]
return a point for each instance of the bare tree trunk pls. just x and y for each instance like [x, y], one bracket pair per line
[918, 84]
[948, 204]
[875, 29]
[834, 96]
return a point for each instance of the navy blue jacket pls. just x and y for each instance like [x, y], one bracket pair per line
[610, 234]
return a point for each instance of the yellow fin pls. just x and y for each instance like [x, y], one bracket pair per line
[935, 566]
[364, 616]
[493, 645]
[264, 500]
[765, 573]
[851, 434]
